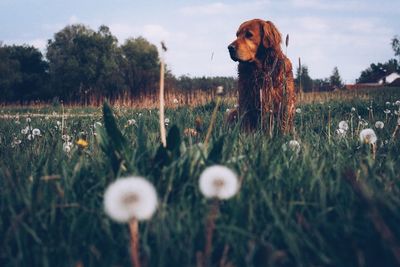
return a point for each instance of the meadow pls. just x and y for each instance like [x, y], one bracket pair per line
[330, 201]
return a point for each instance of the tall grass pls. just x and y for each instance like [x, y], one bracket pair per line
[331, 204]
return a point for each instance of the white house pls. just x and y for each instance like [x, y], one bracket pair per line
[388, 79]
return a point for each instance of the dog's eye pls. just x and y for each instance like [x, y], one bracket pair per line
[249, 35]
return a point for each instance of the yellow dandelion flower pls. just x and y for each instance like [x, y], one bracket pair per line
[82, 143]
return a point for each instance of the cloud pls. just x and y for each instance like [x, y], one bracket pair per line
[219, 8]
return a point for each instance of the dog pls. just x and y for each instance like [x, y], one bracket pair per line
[266, 87]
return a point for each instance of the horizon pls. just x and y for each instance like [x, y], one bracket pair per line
[348, 34]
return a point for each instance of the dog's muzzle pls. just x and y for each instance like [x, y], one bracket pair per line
[232, 52]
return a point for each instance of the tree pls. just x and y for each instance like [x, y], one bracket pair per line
[23, 73]
[140, 65]
[335, 80]
[396, 45]
[83, 61]
[375, 72]
[304, 78]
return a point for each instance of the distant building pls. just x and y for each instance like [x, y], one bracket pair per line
[388, 79]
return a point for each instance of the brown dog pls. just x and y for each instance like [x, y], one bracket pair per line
[266, 88]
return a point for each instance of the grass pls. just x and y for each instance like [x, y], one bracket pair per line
[330, 204]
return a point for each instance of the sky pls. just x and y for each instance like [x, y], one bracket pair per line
[349, 34]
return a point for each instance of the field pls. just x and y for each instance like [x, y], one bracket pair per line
[332, 201]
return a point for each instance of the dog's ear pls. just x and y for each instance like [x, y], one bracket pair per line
[272, 37]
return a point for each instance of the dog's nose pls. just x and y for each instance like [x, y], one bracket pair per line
[231, 48]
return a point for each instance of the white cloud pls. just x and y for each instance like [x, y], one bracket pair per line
[219, 8]
[73, 19]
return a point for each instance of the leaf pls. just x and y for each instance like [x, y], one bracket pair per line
[112, 142]
[215, 155]
[113, 132]
[174, 141]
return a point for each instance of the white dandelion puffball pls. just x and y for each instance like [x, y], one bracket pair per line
[298, 110]
[36, 131]
[344, 125]
[218, 182]
[379, 125]
[387, 111]
[397, 103]
[130, 198]
[353, 109]
[176, 101]
[368, 136]
[294, 146]
[341, 133]
[131, 122]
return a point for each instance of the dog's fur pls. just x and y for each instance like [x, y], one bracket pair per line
[266, 87]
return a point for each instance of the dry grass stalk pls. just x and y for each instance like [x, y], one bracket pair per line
[134, 231]
[162, 102]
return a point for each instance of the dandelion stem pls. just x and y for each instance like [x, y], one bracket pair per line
[212, 122]
[134, 230]
[210, 226]
[162, 105]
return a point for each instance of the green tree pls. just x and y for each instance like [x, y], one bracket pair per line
[140, 65]
[23, 74]
[375, 72]
[396, 45]
[303, 79]
[335, 80]
[83, 62]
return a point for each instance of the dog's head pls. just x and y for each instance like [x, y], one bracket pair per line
[252, 36]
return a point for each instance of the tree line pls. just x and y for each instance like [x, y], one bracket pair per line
[80, 62]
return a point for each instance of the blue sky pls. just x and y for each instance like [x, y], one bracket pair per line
[324, 33]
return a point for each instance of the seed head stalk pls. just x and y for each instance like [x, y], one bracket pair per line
[162, 102]
[134, 231]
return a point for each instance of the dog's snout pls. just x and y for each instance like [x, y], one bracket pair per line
[231, 48]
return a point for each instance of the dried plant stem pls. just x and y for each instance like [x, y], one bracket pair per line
[162, 105]
[396, 130]
[210, 226]
[329, 125]
[134, 230]
[373, 150]
[212, 122]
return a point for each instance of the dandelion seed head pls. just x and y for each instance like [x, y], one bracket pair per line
[36, 132]
[130, 198]
[298, 110]
[341, 132]
[397, 103]
[176, 101]
[387, 111]
[344, 125]
[353, 109]
[368, 136]
[379, 125]
[218, 182]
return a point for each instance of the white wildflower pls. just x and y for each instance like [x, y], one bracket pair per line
[66, 137]
[341, 132]
[67, 146]
[298, 110]
[131, 122]
[368, 136]
[344, 125]
[130, 198]
[30, 137]
[36, 132]
[379, 125]
[218, 182]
